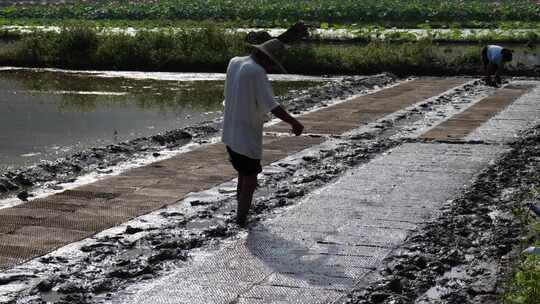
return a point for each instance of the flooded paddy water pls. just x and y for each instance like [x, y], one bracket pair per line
[48, 114]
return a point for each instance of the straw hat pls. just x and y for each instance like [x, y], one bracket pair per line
[275, 50]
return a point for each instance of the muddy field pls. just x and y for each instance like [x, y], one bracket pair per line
[470, 244]
[114, 261]
[466, 254]
[64, 280]
[51, 174]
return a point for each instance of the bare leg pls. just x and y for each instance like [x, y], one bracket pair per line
[486, 63]
[487, 77]
[239, 187]
[492, 69]
[249, 183]
[498, 79]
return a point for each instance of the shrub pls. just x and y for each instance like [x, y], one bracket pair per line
[78, 45]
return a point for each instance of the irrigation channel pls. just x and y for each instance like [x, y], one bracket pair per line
[400, 190]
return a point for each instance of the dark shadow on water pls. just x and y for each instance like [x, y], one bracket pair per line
[294, 259]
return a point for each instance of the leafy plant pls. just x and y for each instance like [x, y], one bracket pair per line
[524, 285]
[280, 12]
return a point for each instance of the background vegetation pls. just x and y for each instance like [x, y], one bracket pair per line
[207, 49]
[210, 49]
[471, 13]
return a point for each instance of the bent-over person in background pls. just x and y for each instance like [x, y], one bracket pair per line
[248, 99]
[493, 58]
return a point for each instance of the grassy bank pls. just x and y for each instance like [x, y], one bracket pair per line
[472, 13]
[524, 285]
[411, 58]
[209, 50]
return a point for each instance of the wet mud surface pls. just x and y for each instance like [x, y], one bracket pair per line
[464, 255]
[51, 174]
[104, 268]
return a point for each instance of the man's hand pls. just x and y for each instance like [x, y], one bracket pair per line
[297, 128]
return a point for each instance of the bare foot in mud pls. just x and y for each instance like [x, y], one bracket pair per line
[490, 82]
[242, 222]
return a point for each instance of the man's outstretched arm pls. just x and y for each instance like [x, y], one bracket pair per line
[280, 113]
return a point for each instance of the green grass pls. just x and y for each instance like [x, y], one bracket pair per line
[524, 285]
[208, 49]
[472, 13]
[504, 34]
[404, 59]
[525, 288]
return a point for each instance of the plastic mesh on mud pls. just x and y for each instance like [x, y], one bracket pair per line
[462, 124]
[40, 226]
[349, 115]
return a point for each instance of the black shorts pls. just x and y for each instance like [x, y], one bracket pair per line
[244, 165]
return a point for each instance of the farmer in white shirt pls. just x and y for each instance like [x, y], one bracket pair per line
[493, 58]
[248, 99]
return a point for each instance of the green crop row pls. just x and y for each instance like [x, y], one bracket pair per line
[280, 12]
[370, 33]
[336, 34]
[246, 23]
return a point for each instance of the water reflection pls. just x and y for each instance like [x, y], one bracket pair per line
[46, 115]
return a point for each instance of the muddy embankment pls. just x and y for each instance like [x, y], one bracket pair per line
[109, 266]
[100, 159]
[466, 254]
